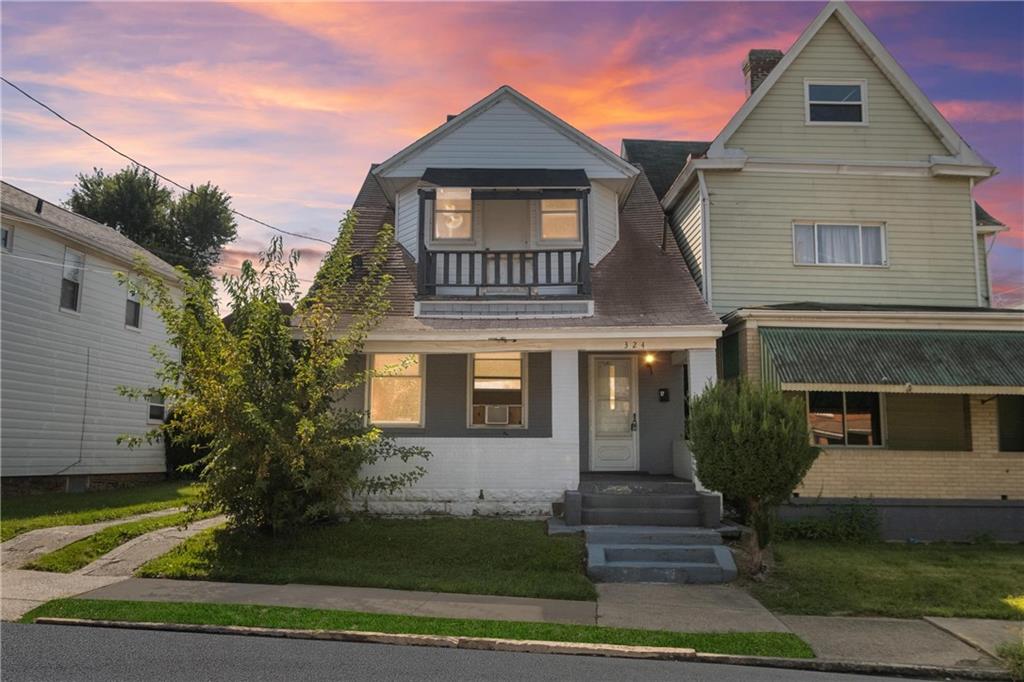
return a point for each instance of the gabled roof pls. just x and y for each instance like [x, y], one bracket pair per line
[661, 160]
[507, 92]
[28, 208]
[667, 296]
[958, 148]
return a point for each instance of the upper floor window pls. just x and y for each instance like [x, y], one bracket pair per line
[836, 102]
[559, 220]
[71, 280]
[835, 244]
[7, 235]
[156, 410]
[453, 213]
[133, 311]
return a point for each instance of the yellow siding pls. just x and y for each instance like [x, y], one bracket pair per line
[776, 128]
[981, 474]
[686, 225]
[928, 239]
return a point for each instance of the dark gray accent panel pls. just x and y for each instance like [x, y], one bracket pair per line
[446, 396]
[927, 422]
[928, 520]
[660, 423]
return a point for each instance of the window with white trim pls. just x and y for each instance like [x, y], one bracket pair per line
[157, 410]
[71, 280]
[838, 244]
[133, 311]
[453, 214]
[498, 389]
[396, 389]
[7, 238]
[559, 220]
[837, 418]
[836, 102]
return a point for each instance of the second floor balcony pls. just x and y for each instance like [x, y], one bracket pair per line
[493, 233]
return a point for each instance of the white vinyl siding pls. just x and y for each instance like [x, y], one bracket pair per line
[60, 372]
[506, 136]
[604, 221]
[777, 127]
[686, 222]
[406, 219]
[928, 237]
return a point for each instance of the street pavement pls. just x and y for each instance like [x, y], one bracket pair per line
[53, 652]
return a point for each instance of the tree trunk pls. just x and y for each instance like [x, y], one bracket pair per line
[758, 539]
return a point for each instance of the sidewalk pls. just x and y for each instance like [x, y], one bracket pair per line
[681, 608]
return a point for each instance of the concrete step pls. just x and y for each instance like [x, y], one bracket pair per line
[651, 535]
[664, 564]
[641, 516]
[651, 501]
[638, 487]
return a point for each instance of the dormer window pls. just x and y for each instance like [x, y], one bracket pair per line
[453, 214]
[836, 102]
[559, 220]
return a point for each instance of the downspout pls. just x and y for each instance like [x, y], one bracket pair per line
[705, 243]
[974, 241]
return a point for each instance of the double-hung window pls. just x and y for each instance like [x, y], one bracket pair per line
[157, 410]
[497, 390]
[71, 280]
[837, 418]
[453, 214]
[838, 244]
[396, 389]
[7, 238]
[559, 220]
[836, 102]
[133, 311]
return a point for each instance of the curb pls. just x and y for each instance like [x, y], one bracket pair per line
[546, 647]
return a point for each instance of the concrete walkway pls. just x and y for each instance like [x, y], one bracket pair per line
[683, 608]
[29, 546]
[368, 600]
[125, 559]
[983, 634]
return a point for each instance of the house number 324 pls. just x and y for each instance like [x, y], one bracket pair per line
[635, 345]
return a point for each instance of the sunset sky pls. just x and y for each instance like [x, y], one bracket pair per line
[286, 105]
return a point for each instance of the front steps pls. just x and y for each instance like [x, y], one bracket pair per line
[649, 531]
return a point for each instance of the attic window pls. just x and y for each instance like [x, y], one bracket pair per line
[836, 102]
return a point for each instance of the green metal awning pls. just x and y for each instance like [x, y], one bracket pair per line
[894, 360]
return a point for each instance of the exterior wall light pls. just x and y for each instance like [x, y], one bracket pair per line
[649, 361]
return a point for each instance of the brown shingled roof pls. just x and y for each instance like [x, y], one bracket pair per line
[636, 284]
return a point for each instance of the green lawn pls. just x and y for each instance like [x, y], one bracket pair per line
[83, 552]
[902, 581]
[740, 643]
[479, 556]
[20, 513]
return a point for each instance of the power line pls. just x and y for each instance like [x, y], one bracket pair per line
[163, 177]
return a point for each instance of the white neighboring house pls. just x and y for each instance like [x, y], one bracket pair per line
[70, 334]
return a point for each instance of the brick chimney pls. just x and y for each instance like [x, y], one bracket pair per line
[758, 65]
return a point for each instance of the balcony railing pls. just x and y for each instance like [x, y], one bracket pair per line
[527, 272]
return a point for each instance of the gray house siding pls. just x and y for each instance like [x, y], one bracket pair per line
[659, 423]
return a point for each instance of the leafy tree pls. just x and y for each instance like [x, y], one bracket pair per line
[752, 444]
[188, 230]
[263, 395]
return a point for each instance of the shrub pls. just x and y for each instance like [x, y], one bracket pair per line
[264, 395]
[853, 523]
[751, 443]
[1012, 654]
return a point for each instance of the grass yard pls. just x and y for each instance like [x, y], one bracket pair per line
[740, 643]
[83, 552]
[21, 513]
[902, 581]
[478, 556]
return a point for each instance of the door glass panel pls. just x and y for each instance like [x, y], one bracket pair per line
[614, 397]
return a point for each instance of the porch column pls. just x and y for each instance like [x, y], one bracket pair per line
[702, 372]
[565, 413]
[584, 203]
[425, 195]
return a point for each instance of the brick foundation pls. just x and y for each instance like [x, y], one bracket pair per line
[30, 485]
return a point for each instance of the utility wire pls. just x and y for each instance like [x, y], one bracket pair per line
[163, 177]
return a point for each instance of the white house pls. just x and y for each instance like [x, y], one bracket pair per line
[69, 336]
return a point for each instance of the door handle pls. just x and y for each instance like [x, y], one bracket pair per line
[632, 425]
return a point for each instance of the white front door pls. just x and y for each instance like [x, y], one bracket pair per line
[613, 413]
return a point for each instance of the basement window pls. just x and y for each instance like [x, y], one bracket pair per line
[836, 102]
[497, 390]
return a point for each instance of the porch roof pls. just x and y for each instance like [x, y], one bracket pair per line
[895, 360]
[494, 178]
